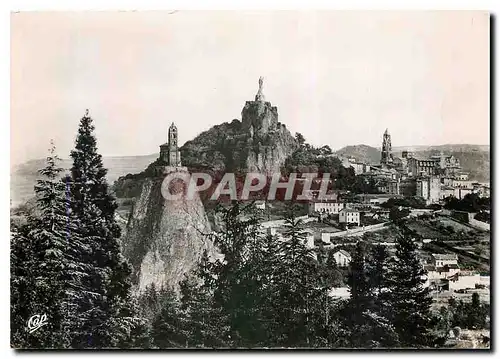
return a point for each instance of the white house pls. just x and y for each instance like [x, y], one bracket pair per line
[442, 266]
[464, 281]
[342, 258]
[260, 204]
[332, 207]
[341, 292]
[349, 215]
[440, 260]
[325, 237]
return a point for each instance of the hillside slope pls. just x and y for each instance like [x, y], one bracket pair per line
[363, 153]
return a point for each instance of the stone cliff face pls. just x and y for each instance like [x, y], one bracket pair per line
[269, 142]
[259, 143]
[164, 239]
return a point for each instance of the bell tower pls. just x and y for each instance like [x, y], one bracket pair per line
[386, 155]
[174, 158]
[169, 152]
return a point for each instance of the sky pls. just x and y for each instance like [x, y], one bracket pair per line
[338, 77]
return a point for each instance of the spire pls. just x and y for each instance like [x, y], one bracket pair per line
[260, 95]
[386, 132]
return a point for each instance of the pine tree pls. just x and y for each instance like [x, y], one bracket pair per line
[51, 253]
[409, 301]
[365, 316]
[105, 295]
[377, 267]
[22, 282]
[50, 260]
[360, 301]
[167, 326]
[301, 292]
[267, 265]
[378, 272]
[333, 273]
[239, 228]
[203, 320]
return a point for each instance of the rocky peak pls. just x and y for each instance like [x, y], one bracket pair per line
[258, 143]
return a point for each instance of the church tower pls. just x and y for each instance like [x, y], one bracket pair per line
[386, 157]
[169, 152]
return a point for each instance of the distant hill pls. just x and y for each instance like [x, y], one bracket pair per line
[363, 153]
[24, 176]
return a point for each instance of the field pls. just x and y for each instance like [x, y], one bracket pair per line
[423, 229]
[457, 226]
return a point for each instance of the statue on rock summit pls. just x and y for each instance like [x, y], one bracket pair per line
[260, 95]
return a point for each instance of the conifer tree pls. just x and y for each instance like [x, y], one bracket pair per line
[167, 326]
[408, 300]
[360, 301]
[22, 282]
[203, 321]
[377, 266]
[364, 316]
[105, 294]
[301, 291]
[239, 228]
[51, 243]
[50, 234]
[333, 274]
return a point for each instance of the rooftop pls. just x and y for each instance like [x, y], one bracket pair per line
[445, 257]
[316, 200]
[350, 210]
[343, 252]
[446, 268]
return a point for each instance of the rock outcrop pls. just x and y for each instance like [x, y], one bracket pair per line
[259, 143]
[165, 239]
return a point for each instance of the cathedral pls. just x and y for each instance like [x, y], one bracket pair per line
[169, 152]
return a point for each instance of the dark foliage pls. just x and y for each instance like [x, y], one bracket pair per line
[470, 203]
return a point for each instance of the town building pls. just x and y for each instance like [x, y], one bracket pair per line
[342, 258]
[325, 206]
[442, 266]
[467, 280]
[435, 165]
[429, 188]
[440, 260]
[348, 215]
[359, 167]
[482, 190]
[460, 192]
[375, 198]
[260, 204]
[463, 184]
[393, 187]
[420, 167]
[447, 191]
[447, 165]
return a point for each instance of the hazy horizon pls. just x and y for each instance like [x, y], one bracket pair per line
[338, 77]
[394, 149]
